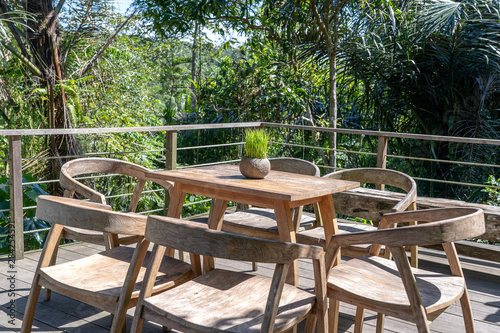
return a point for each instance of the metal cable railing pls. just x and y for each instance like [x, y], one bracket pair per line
[238, 144]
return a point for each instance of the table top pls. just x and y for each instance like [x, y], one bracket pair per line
[277, 185]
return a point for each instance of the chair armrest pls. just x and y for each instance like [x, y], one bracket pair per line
[81, 203]
[72, 185]
[403, 205]
[422, 216]
[435, 226]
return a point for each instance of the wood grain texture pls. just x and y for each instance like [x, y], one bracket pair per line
[277, 185]
[452, 227]
[220, 300]
[16, 194]
[393, 287]
[279, 191]
[201, 240]
[375, 176]
[89, 215]
[109, 280]
[226, 301]
[102, 275]
[374, 283]
[261, 222]
[87, 166]
[370, 198]
[482, 281]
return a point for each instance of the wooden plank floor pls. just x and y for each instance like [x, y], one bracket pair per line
[63, 314]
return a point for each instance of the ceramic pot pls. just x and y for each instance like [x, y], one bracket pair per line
[254, 167]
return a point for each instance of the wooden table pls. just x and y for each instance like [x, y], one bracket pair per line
[280, 191]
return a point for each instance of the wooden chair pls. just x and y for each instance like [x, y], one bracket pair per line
[394, 287]
[85, 166]
[109, 280]
[261, 222]
[362, 207]
[229, 301]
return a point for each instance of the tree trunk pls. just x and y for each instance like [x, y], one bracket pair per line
[193, 68]
[43, 39]
[325, 25]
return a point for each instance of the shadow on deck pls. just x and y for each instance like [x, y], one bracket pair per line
[62, 314]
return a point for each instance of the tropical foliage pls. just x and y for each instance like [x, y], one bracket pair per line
[421, 66]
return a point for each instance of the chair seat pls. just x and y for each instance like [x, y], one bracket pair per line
[102, 275]
[259, 222]
[316, 237]
[376, 283]
[222, 300]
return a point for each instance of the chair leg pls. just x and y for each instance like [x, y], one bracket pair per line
[467, 312]
[333, 316]
[47, 292]
[380, 322]
[182, 256]
[137, 323]
[414, 249]
[358, 323]
[255, 266]
[115, 326]
[310, 324]
[29, 312]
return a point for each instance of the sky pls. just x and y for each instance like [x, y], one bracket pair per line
[122, 5]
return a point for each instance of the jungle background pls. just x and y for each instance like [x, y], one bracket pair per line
[416, 66]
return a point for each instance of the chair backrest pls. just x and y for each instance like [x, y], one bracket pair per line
[435, 226]
[377, 176]
[197, 238]
[294, 165]
[88, 215]
[83, 166]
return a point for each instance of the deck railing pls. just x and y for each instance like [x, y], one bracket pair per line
[171, 150]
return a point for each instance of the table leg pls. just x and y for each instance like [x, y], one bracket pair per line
[176, 201]
[329, 219]
[175, 210]
[215, 218]
[216, 215]
[286, 232]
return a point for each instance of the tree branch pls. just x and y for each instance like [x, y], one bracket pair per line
[30, 65]
[13, 29]
[105, 46]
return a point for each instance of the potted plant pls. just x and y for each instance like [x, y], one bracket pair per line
[255, 163]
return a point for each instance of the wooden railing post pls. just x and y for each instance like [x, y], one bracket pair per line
[381, 156]
[16, 197]
[170, 158]
[171, 150]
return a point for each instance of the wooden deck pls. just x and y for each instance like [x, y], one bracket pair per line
[63, 314]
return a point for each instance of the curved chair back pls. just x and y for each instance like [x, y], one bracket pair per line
[435, 226]
[83, 166]
[357, 206]
[294, 165]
